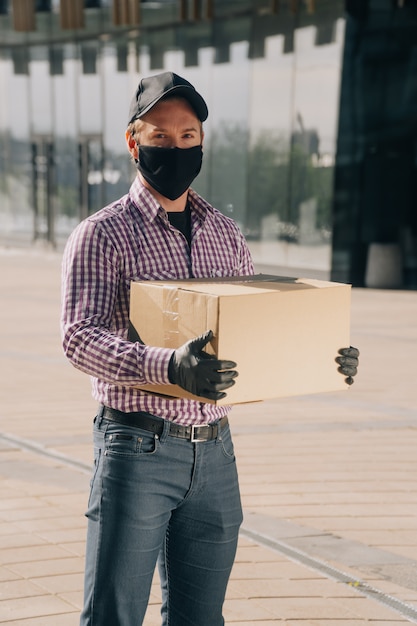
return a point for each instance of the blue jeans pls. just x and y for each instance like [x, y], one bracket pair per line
[159, 497]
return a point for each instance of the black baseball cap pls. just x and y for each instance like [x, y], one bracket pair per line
[152, 89]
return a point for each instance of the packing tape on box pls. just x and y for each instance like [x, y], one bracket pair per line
[170, 317]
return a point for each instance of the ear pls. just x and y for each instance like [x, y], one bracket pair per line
[132, 146]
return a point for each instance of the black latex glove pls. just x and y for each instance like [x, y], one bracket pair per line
[200, 373]
[348, 362]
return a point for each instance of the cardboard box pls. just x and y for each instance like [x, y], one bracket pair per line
[284, 333]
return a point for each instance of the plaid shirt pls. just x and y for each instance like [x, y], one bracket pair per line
[130, 240]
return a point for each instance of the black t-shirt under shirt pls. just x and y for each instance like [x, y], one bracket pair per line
[182, 222]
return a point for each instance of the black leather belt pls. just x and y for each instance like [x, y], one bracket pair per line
[146, 421]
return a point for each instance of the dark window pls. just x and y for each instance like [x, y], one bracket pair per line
[121, 57]
[325, 33]
[56, 61]
[20, 58]
[43, 6]
[89, 60]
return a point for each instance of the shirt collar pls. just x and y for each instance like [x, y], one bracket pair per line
[143, 200]
[199, 206]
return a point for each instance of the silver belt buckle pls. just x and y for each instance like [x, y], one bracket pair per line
[194, 436]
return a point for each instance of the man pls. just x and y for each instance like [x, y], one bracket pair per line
[161, 490]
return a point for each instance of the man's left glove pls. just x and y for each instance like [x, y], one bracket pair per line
[348, 361]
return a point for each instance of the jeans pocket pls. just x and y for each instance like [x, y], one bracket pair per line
[126, 442]
[93, 505]
[227, 444]
[96, 463]
[149, 444]
[122, 444]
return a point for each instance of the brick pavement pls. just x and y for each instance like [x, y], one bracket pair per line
[328, 481]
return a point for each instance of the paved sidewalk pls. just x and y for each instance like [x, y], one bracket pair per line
[328, 481]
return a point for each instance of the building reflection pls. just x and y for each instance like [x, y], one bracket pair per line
[310, 143]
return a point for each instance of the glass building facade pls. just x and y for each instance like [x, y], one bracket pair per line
[292, 148]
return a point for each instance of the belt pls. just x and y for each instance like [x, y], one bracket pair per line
[146, 421]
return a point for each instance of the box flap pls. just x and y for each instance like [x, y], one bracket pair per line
[244, 285]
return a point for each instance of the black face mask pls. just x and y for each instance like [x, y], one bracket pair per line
[170, 171]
